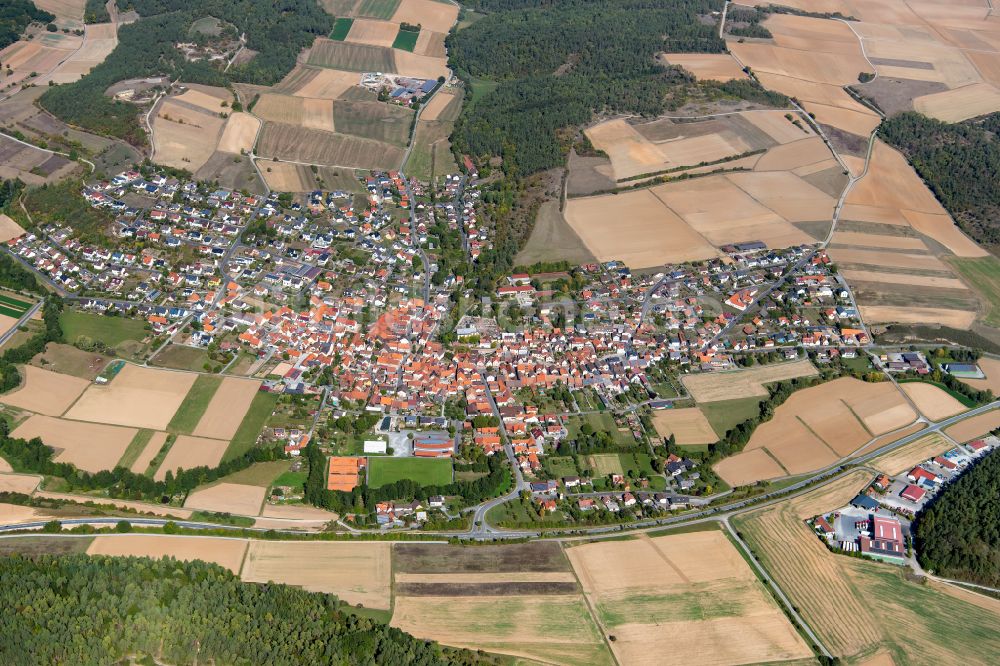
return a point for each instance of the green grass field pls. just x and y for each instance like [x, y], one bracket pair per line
[425, 471]
[136, 447]
[479, 88]
[559, 466]
[194, 405]
[725, 414]
[112, 331]
[253, 422]
[984, 276]
[341, 27]
[602, 421]
[406, 40]
[378, 9]
[180, 357]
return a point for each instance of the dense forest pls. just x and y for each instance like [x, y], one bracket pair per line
[277, 30]
[558, 63]
[15, 16]
[958, 536]
[960, 163]
[75, 609]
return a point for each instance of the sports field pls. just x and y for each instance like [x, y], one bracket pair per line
[425, 471]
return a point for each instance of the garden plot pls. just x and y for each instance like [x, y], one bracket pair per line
[691, 589]
[92, 447]
[137, 396]
[227, 553]
[45, 392]
[358, 573]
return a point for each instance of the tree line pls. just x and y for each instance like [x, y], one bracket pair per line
[88, 610]
[959, 162]
[958, 535]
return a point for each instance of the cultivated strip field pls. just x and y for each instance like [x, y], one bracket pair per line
[933, 402]
[918, 623]
[905, 457]
[224, 552]
[299, 144]
[146, 456]
[358, 573]
[536, 619]
[99, 40]
[976, 426]
[44, 391]
[819, 425]
[38, 56]
[714, 386]
[33, 166]
[137, 396]
[92, 447]
[229, 405]
[693, 590]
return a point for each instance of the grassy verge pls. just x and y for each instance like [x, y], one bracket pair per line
[135, 448]
[194, 405]
[253, 422]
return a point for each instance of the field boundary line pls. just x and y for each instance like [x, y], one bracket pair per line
[590, 606]
[817, 436]
[789, 607]
[775, 459]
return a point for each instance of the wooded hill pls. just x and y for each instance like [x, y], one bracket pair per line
[75, 609]
[278, 30]
[15, 16]
[960, 163]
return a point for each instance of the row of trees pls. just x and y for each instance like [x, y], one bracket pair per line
[959, 162]
[958, 535]
[100, 610]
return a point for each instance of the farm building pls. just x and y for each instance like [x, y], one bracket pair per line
[913, 493]
[886, 540]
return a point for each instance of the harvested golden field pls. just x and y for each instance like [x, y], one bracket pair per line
[441, 100]
[902, 278]
[932, 402]
[714, 386]
[297, 512]
[12, 514]
[554, 629]
[688, 426]
[869, 240]
[45, 392]
[189, 452]
[821, 424]
[99, 41]
[184, 137]
[209, 98]
[748, 467]
[227, 408]
[236, 498]
[224, 552]
[954, 106]
[18, 483]
[92, 447]
[153, 447]
[299, 144]
[429, 14]
[358, 573]
[320, 83]
[288, 177]
[9, 229]
[239, 133]
[707, 66]
[370, 31]
[292, 110]
[976, 426]
[636, 228]
[919, 623]
[22, 58]
[64, 10]
[884, 314]
[692, 589]
[137, 396]
[419, 66]
[905, 457]
[430, 43]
